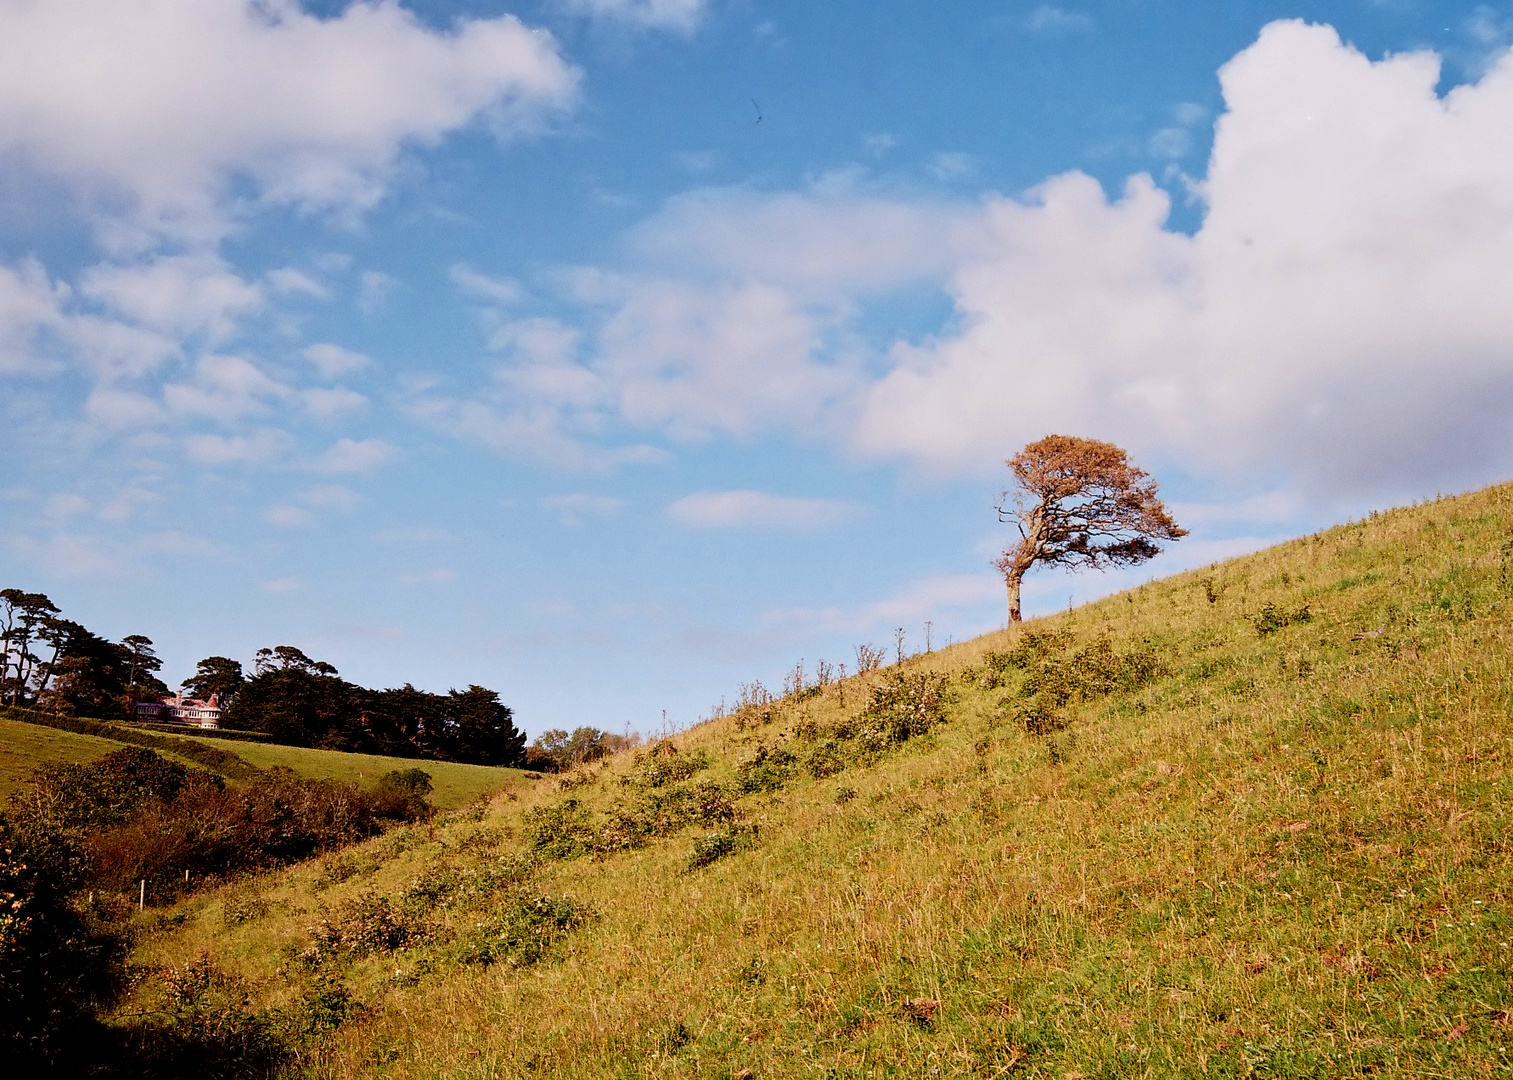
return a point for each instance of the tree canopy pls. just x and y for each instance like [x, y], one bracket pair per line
[1079, 502]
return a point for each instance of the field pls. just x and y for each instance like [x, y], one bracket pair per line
[29, 746]
[1252, 820]
[25, 746]
[454, 784]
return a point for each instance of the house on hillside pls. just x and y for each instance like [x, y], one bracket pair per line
[181, 710]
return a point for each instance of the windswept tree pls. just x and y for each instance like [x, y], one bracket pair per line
[24, 619]
[1079, 502]
[141, 661]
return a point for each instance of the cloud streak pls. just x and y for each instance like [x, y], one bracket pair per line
[758, 510]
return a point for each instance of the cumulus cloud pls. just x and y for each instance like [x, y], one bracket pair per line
[1341, 318]
[225, 388]
[757, 510]
[165, 102]
[1342, 312]
[174, 294]
[679, 15]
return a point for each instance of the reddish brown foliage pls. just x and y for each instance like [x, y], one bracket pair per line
[1079, 502]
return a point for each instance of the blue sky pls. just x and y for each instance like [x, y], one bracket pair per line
[613, 353]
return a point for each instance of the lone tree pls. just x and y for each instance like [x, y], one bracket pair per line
[1079, 502]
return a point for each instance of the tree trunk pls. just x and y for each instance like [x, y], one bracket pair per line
[1012, 577]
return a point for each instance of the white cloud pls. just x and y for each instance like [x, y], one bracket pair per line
[333, 360]
[167, 101]
[758, 510]
[374, 287]
[1343, 311]
[327, 403]
[59, 508]
[70, 555]
[931, 598]
[679, 15]
[356, 456]
[1340, 322]
[122, 409]
[495, 290]
[697, 161]
[29, 304]
[260, 446]
[225, 388]
[330, 497]
[174, 294]
[573, 508]
[1047, 18]
[286, 280]
[952, 166]
[288, 517]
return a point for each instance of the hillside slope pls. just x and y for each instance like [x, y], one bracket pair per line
[1247, 821]
[26, 746]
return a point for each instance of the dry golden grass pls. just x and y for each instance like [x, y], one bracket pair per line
[1288, 856]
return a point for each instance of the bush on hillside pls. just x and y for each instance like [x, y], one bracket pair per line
[403, 795]
[521, 932]
[134, 815]
[766, 771]
[711, 847]
[1055, 675]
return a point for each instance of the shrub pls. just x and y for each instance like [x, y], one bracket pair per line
[904, 706]
[662, 764]
[714, 846]
[403, 795]
[767, 771]
[522, 932]
[204, 1026]
[827, 759]
[344, 866]
[562, 831]
[1055, 677]
[1271, 618]
[361, 927]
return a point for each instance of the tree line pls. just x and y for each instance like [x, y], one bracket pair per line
[56, 665]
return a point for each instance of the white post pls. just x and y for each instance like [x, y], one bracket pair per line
[142, 896]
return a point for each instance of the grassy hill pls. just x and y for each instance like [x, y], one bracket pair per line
[24, 746]
[27, 747]
[1247, 821]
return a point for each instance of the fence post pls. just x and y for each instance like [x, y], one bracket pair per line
[142, 896]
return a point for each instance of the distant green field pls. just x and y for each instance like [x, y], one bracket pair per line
[455, 785]
[25, 747]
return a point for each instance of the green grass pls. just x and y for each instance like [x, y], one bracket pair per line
[24, 748]
[1283, 850]
[454, 784]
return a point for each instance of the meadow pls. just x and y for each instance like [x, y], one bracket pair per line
[29, 745]
[1251, 820]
